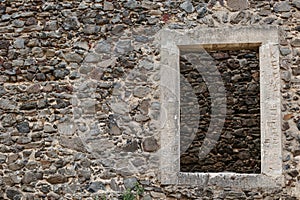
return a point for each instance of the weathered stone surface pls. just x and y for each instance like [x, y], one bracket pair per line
[238, 17]
[50, 26]
[296, 71]
[73, 57]
[57, 179]
[141, 91]
[108, 6]
[103, 47]
[60, 73]
[96, 186]
[71, 23]
[19, 43]
[44, 47]
[28, 106]
[114, 129]
[295, 42]
[48, 128]
[236, 62]
[23, 127]
[18, 23]
[19, 164]
[4, 44]
[13, 194]
[123, 46]
[286, 76]
[2, 158]
[31, 21]
[72, 143]
[150, 144]
[237, 5]
[296, 3]
[130, 183]
[29, 177]
[187, 6]
[131, 4]
[92, 58]
[8, 120]
[285, 51]
[131, 147]
[283, 6]
[90, 29]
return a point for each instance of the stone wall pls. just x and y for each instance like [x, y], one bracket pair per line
[80, 95]
[238, 148]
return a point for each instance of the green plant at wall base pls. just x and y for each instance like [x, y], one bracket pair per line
[134, 193]
[96, 198]
[139, 189]
[128, 195]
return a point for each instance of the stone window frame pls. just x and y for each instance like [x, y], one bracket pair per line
[266, 38]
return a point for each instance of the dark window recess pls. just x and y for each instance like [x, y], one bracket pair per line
[238, 148]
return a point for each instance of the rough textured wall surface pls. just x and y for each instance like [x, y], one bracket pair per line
[238, 149]
[80, 95]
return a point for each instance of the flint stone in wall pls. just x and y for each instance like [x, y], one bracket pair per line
[120, 108]
[237, 5]
[23, 127]
[57, 179]
[131, 147]
[187, 6]
[150, 144]
[13, 194]
[18, 23]
[117, 29]
[9, 120]
[51, 26]
[96, 186]
[19, 164]
[91, 29]
[29, 177]
[296, 71]
[82, 45]
[130, 183]
[61, 73]
[96, 74]
[74, 143]
[237, 18]
[4, 44]
[5, 17]
[73, 57]
[296, 3]
[48, 128]
[296, 42]
[36, 88]
[141, 91]
[31, 21]
[92, 58]
[71, 23]
[28, 106]
[131, 4]
[108, 6]
[114, 129]
[48, 6]
[123, 46]
[283, 6]
[103, 47]
[2, 158]
[66, 129]
[6, 104]
[19, 43]
[286, 76]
